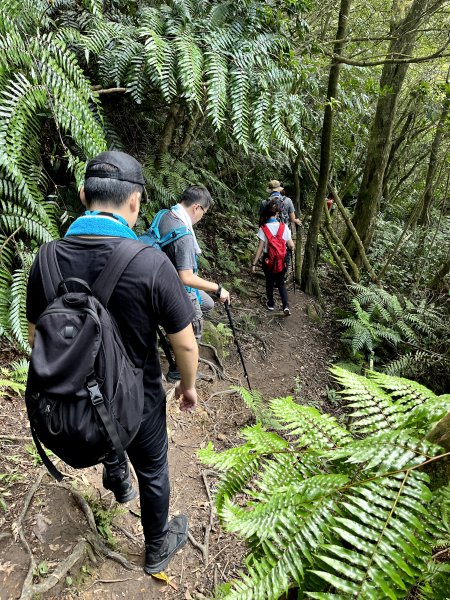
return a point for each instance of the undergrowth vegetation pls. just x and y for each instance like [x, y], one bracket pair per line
[399, 336]
[338, 510]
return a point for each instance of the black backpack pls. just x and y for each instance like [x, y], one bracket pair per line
[84, 397]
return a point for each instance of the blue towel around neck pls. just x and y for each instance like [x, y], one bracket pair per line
[92, 224]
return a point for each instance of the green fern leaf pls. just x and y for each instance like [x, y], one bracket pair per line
[309, 426]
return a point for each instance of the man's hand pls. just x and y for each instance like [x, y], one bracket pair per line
[225, 296]
[187, 396]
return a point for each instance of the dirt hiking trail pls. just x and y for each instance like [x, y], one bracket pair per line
[49, 523]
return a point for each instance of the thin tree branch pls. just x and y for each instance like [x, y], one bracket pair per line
[391, 61]
[115, 90]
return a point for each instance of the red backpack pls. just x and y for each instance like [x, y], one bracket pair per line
[275, 260]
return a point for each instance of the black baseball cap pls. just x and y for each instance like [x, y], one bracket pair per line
[126, 168]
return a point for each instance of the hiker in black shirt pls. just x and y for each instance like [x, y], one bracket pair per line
[148, 293]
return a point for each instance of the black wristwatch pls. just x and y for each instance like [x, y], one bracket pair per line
[218, 292]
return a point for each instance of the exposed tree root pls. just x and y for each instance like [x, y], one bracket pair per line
[129, 535]
[89, 542]
[216, 355]
[204, 548]
[98, 545]
[217, 370]
[18, 531]
[109, 581]
[222, 393]
[93, 538]
[58, 574]
[219, 362]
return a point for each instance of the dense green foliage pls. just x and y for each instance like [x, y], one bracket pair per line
[200, 60]
[406, 338]
[337, 511]
[229, 94]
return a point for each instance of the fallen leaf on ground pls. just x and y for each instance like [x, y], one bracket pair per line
[161, 576]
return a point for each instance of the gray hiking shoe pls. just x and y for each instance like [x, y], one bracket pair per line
[175, 539]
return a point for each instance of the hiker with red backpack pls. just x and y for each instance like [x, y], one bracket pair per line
[274, 240]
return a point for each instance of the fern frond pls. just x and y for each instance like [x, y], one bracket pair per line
[17, 316]
[216, 87]
[237, 464]
[190, 64]
[404, 390]
[254, 401]
[387, 451]
[283, 559]
[309, 425]
[374, 407]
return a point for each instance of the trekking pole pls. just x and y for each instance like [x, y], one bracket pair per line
[227, 308]
[165, 346]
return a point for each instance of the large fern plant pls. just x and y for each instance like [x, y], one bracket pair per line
[42, 89]
[335, 511]
[407, 338]
[218, 56]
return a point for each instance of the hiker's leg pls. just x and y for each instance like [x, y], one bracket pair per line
[269, 286]
[197, 323]
[279, 281]
[148, 455]
[116, 477]
[207, 303]
[288, 260]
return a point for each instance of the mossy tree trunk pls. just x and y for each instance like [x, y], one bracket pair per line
[309, 278]
[404, 32]
[433, 162]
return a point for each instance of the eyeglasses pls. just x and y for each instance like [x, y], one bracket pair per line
[203, 209]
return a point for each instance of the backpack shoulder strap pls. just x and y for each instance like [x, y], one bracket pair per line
[269, 235]
[154, 226]
[173, 235]
[281, 229]
[119, 260]
[50, 272]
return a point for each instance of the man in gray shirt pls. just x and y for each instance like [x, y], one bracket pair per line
[194, 203]
[285, 204]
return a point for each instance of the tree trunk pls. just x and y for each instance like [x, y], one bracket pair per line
[433, 163]
[394, 147]
[404, 34]
[194, 125]
[169, 129]
[310, 280]
[298, 212]
[438, 281]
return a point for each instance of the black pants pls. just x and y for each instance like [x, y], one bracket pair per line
[148, 455]
[275, 280]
